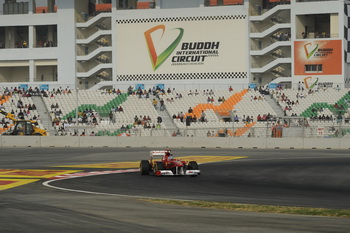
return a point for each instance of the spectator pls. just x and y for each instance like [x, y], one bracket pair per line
[110, 116]
[159, 119]
[123, 128]
[162, 106]
[154, 102]
[202, 119]
[259, 118]
[208, 134]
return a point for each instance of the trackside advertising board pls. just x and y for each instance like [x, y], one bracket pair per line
[318, 57]
[177, 46]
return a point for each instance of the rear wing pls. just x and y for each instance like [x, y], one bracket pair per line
[158, 153]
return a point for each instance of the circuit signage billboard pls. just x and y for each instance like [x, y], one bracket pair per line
[318, 57]
[182, 46]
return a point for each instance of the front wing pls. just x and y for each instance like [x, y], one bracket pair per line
[170, 173]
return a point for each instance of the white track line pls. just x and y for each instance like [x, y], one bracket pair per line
[47, 184]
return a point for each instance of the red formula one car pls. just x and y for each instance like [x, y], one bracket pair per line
[162, 163]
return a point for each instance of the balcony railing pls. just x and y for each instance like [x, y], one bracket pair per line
[125, 5]
[256, 10]
[23, 8]
[315, 0]
[223, 2]
[317, 35]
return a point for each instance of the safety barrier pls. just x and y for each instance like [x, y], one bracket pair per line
[175, 142]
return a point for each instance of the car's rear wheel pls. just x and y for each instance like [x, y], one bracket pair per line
[144, 167]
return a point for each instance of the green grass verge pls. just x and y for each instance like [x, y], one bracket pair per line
[257, 208]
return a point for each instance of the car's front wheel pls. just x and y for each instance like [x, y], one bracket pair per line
[193, 165]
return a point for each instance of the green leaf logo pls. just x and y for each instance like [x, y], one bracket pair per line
[310, 82]
[158, 60]
[309, 52]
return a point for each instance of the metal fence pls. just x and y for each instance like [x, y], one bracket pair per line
[269, 131]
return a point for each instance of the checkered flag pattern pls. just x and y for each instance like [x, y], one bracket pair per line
[183, 76]
[181, 19]
[347, 32]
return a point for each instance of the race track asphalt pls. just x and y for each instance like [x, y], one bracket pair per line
[322, 183]
[316, 178]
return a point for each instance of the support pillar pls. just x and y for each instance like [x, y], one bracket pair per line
[10, 37]
[50, 33]
[31, 7]
[32, 71]
[51, 6]
[32, 37]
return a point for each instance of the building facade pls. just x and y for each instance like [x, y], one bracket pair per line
[187, 44]
[302, 43]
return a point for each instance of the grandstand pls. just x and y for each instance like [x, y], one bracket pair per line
[21, 106]
[121, 113]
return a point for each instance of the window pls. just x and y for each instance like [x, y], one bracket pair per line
[29, 128]
[313, 68]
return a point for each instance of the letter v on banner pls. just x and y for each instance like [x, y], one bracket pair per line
[155, 59]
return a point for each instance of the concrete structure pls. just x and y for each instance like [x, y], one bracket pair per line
[186, 44]
[176, 142]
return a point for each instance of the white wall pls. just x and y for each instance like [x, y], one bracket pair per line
[49, 73]
[20, 74]
[66, 42]
[168, 4]
[5, 72]
[175, 142]
[14, 74]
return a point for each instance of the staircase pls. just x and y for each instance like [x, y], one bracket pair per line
[167, 119]
[278, 110]
[44, 115]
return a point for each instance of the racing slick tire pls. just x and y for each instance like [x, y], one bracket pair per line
[193, 165]
[144, 167]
